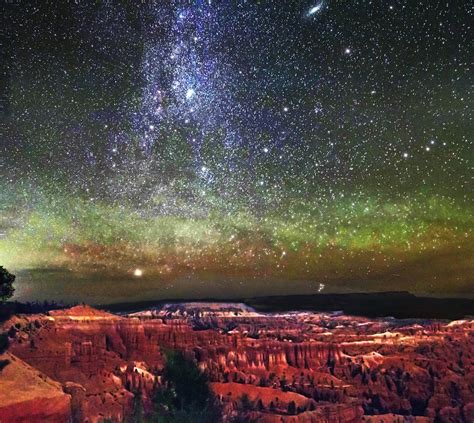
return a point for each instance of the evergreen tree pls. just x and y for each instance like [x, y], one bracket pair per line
[292, 408]
[185, 395]
[6, 291]
[6, 284]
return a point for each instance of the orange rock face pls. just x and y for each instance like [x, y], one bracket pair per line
[291, 367]
[28, 396]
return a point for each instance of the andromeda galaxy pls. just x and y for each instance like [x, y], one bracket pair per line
[315, 9]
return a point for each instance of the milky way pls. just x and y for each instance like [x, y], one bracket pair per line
[321, 141]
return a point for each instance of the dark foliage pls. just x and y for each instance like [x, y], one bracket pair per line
[3, 342]
[6, 291]
[6, 284]
[185, 395]
[292, 408]
[9, 308]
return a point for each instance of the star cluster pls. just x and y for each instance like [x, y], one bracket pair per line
[325, 141]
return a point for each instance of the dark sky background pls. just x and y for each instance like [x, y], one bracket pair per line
[324, 141]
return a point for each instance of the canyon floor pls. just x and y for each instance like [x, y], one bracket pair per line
[83, 364]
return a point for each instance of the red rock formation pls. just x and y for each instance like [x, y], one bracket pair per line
[334, 368]
[27, 396]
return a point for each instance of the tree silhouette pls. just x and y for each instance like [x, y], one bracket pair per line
[6, 284]
[292, 408]
[6, 291]
[186, 395]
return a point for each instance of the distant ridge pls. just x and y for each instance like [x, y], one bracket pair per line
[398, 304]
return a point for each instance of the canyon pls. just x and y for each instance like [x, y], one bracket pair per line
[83, 364]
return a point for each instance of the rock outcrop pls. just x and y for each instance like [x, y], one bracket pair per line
[27, 395]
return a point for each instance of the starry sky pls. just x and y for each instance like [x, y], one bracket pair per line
[323, 144]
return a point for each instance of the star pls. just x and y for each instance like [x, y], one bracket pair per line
[190, 93]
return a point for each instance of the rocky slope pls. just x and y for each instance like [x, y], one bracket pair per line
[27, 395]
[290, 367]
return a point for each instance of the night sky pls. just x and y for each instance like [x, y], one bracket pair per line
[323, 144]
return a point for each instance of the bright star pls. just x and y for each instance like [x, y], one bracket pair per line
[190, 93]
